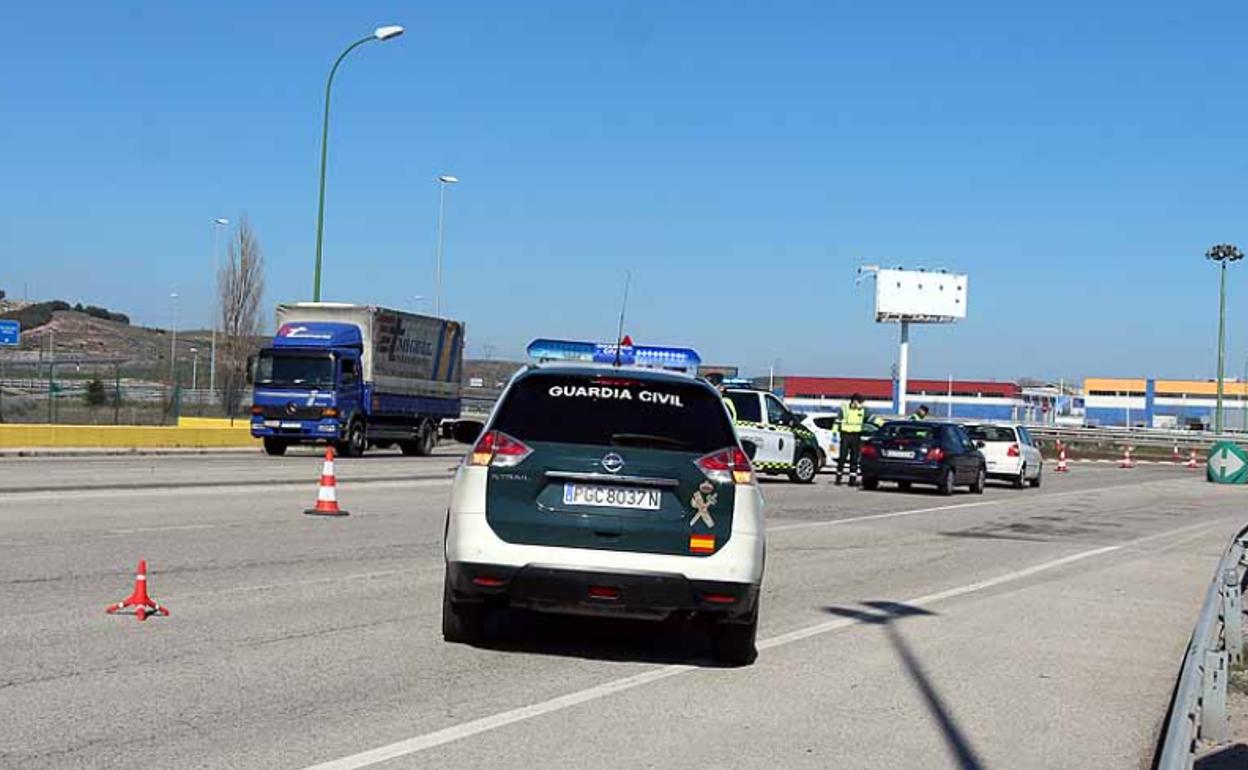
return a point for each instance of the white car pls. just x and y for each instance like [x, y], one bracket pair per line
[827, 429]
[608, 491]
[1010, 452]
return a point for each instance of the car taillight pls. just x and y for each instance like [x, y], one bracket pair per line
[499, 450]
[869, 450]
[1013, 450]
[727, 466]
[935, 454]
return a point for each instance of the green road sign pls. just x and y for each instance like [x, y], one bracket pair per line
[1228, 464]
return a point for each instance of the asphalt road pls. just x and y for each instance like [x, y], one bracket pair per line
[1020, 629]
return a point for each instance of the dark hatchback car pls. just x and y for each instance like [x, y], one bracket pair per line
[913, 452]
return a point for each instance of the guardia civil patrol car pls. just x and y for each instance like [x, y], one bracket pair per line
[607, 481]
[784, 445]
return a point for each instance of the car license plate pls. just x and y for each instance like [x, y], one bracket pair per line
[638, 498]
[899, 454]
[292, 425]
[272, 423]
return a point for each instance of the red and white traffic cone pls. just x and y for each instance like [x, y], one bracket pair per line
[138, 599]
[1127, 462]
[1191, 461]
[327, 494]
[1062, 466]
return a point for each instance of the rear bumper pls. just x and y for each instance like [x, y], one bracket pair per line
[581, 591]
[921, 473]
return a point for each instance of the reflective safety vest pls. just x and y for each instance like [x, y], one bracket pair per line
[852, 419]
[731, 407]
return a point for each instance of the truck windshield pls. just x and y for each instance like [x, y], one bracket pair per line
[278, 368]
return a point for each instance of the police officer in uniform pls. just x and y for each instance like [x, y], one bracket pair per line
[717, 379]
[920, 413]
[853, 417]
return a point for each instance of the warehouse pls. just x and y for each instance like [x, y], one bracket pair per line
[1164, 403]
[962, 399]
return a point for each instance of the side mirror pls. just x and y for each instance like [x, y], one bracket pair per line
[467, 431]
[979, 444]
[750, 449]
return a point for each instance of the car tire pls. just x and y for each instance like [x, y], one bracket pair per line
[1021, 480]
[356, 442]
[981, 480]
[734, 642]
[805, 469]
[1035, 483]
[275, 447]
[461, 621]
[946, 486]
[870, 484]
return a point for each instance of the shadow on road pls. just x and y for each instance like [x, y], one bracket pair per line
[595, 638]
[886, 614]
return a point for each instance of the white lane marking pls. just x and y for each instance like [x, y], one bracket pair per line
[957, 506]
[18, 497]
[169, 528]
[495, 721]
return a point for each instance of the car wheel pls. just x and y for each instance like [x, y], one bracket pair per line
[1035, 483]
[461, 622]
[947, 482]
[357, 440]
[805, 469]
[734, 642]
[870, 484]
[275, 447]
[981, 479]
[1020, 481]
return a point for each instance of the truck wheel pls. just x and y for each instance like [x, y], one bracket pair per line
[357, 440]
[805, 469]
[275, 447]
[461, 622]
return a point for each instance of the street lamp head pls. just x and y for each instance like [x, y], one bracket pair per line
[220, 221]
[448, 179]
[1224, 252]
[385, 33]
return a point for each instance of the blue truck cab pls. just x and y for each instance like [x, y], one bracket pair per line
[356, 376]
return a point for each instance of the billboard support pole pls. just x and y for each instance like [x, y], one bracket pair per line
[903, 363]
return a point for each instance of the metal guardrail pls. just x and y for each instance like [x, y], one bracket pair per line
[1155, 437]
[1198, 715]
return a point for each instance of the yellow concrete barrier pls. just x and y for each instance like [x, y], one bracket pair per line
[124, 436]
[238, 423]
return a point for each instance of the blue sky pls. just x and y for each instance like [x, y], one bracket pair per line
[741, 159]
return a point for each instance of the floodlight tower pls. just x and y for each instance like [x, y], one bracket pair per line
[915, 296]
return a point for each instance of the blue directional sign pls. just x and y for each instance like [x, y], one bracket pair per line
[10, 333]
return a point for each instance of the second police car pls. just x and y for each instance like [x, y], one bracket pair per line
[607, 481]
[784, 445]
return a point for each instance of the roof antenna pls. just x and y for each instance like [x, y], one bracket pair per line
[619, 336]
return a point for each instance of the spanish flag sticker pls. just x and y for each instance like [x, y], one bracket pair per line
[702, 543]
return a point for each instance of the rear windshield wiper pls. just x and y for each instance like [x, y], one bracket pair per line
[647, 439]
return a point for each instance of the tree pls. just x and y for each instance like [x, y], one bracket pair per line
[96, 394]
[240, 288]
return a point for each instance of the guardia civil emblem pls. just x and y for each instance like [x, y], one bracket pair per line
[702, 501]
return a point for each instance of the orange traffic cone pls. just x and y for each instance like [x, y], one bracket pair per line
[138, 599]
[1062, 466]
[1191, 461]
[1127, 462]
[327, 495]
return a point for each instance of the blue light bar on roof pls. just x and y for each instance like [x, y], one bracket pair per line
[649, 356]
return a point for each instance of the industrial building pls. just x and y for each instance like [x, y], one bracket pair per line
[1157, 403]
[959, 399]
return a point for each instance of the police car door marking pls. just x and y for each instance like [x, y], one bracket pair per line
[702, 501]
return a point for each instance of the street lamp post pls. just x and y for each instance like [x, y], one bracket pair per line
[173, 341]
[217, 224]
[381, 33]
[1222, 254]
[443, 181]
[194, 368]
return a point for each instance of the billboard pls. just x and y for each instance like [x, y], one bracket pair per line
[920, 296]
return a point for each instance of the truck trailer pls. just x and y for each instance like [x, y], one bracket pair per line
[356, 376]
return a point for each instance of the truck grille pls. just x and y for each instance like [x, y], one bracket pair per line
[292, 411]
